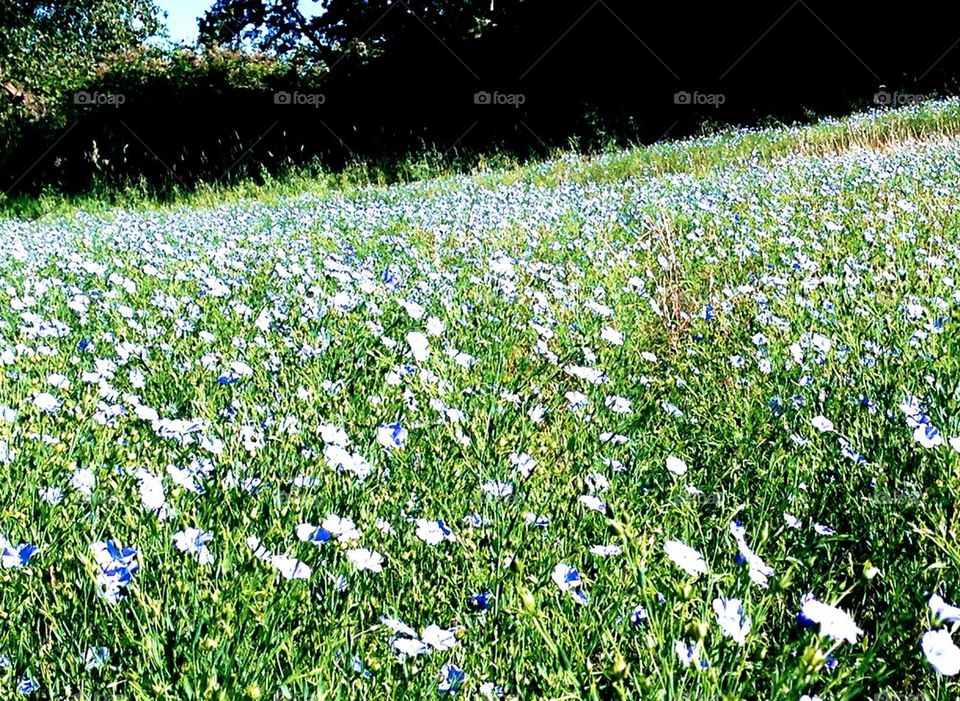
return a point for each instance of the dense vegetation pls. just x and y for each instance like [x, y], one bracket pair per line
[270, 91]
[675, 423]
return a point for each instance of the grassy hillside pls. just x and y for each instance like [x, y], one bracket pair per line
[679, 422]
[874, 129]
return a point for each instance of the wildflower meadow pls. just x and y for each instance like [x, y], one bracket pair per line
[679, 422]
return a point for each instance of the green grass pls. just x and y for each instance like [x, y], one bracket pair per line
[695, 156]
[839, 243]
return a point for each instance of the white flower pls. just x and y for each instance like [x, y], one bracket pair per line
[58, 381]
[194, 542]
[685, 652]
[941, 653]
[51, 495]
[83, 480]
[290, 567]
[464, 360]
[419, 346]
[759, 570]
[928, 436]
[821, 343]
[439, 638]
[942, 611]
[14, 555]
[391, 436]
[398, 626]
[685, 557]
[410, 647]
[536, 519]
[915, 311]
[490, 691]
[600, 309]
[567, 578]
[334, 435]
[416, 311]
[46, 402]
[146, 413]
[95, 658]
[596, 482]
[730, 617]
[593, 503]
[605, 550]
[591, 375]
[822, 423]
[522, 463]
[364, 559]
[344, 461]
[496, 488]
[618, 404]
[576, 400]
[343, 529]
[151, 492]
[433, 532]
[676, 466]
[611, 336]
[240, 369]
[834, 623]
[137, 379]
[116, 567]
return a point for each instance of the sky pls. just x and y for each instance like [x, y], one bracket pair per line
[182, 16]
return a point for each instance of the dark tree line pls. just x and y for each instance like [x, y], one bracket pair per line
[272, 87]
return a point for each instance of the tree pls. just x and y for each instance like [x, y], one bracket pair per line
[345, 28]
[50, 47]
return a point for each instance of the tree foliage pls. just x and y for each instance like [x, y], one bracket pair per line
[48, 47]
[346, 28]
[279, 83]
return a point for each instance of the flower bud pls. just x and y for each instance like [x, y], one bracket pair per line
[619, 668]
[529, 603]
